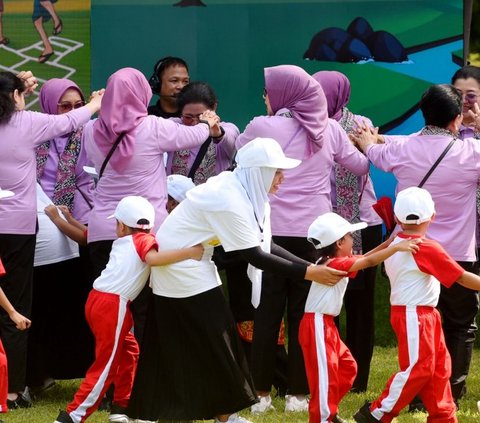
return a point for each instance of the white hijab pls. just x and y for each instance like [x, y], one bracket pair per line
[257, 182]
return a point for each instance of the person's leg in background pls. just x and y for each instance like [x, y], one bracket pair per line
[459, 307]
[359, 302]
[17, 252]
[3, 40]
[239, 296]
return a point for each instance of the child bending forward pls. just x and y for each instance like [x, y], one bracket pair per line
[108, 313]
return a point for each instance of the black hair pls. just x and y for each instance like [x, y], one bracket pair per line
[467, 72]
[139, 230]
[328, 252]
[155, 80]
[440, 105]
[8, 84]
[168, 62]
[197, 92]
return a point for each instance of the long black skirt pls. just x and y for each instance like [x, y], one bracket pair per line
[192, 364]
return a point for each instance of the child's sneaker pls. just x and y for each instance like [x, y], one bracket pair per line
[63, 417]
[292, 403]
[338, 419]
[363, 415]
[118, 414]
[234, 418]
[264, 404]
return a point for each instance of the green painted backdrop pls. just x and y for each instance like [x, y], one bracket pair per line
[228, 43]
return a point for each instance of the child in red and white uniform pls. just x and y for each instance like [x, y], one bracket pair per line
[331, 368]
[21, 323]
[425, 364]
[108, 313]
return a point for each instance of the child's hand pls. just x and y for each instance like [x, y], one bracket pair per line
[52, 212]
[66, 213]
[409, 245]
[197, 252]
[20, 321]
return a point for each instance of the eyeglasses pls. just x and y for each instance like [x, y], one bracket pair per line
[66, 106]
[469, 97]
[191, 118]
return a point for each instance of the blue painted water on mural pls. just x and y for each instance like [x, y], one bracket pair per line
[432, 65]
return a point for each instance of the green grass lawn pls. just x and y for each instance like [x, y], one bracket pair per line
[384, 364]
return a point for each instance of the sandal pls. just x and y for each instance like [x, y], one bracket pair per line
[58, 29]
[44, 57]
[5, 41]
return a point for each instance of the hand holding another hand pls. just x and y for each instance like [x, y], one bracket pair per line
[29, 81]
[324, 274]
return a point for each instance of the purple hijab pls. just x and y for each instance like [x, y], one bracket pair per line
[52, 91]
[124, 106]
[292, 88]
[336, 87]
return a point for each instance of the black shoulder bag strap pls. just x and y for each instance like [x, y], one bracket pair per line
[425, 178]
[449, 146]
[109, 155]
[199, 158]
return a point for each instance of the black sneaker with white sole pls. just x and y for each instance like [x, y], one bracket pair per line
[363, 415]
[63, 417]
[22, 401]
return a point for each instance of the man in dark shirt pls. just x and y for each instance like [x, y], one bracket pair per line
[170, 75]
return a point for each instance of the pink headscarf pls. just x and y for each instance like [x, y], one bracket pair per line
[52, 91]
[336, 87]
[292, 88]
[124, 106]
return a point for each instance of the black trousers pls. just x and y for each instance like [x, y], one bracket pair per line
[17, 253]
[61, 348]
[459, 307]
[360, 311]
[280, 293]
[239, 297]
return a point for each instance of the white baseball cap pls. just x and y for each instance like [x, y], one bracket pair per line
[130, 210]
[264, 152]
[329, 228]
[178, 185]
[414, 206]
[5, 194]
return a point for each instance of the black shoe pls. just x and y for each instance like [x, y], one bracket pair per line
[363, 415]
[22, 401]
[105, 405]
[416, 407]
[118, 414]
[338, 419]
[63, 417]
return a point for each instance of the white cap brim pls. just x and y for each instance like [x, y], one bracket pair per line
[358, 226]
[285, 163]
